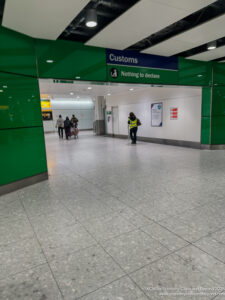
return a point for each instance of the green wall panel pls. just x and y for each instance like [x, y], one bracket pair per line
[17, 53]
[206, 101]
[206, 115]
[218, 115]
[218, 130]
[219, 73]
[205, 130]
[22, 153]
[19, 101]
[194, 73]
[70, 60]
[218, 107]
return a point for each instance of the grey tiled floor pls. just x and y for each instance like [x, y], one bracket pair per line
[116, 222]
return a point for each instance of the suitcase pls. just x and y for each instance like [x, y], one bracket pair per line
[76, 131]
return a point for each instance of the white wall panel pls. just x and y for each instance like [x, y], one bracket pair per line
[144, 19]
[83, 110]
[188, 101]
[41, 19]
[192, 38]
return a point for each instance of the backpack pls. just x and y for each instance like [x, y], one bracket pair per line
[138, 122]
[67, 123]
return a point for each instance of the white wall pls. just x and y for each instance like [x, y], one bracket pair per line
[188, 101]
[82, 109]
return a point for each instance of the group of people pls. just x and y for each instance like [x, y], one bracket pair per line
[67, 125]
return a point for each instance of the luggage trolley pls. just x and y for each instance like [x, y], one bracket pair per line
[74, 132]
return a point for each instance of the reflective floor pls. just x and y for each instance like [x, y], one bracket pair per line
[116, 221]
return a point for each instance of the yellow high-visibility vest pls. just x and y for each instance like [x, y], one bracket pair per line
[133, 123]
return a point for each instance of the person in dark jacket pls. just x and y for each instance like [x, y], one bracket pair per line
[74, 121]
[67, 126]
[133, 125]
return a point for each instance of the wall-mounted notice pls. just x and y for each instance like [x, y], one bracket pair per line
[173, 113]
[156, 114]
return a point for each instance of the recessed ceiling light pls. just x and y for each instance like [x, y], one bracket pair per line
[49, 61]
[108, 94]
[77, 77]
[1, 91]
[211, 46]
[89, 88]
[71, 93]
[199, 75]
[5, 86]
[91, 18]
[131, 89]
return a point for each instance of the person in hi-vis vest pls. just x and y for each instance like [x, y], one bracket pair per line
[133, 125]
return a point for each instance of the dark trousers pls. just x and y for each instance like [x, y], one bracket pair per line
[67, 132]
[60, 132]
[133, 134]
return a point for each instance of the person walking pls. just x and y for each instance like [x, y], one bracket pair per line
[133, 126]
[67, 126]
[74, 120]
[60, 125]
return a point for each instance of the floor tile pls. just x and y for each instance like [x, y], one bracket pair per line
[171, 275]
[219, 235]
[113, 203]
[11, 210]
[89, 209]
[36, 206]
[108, 226]
[9, 197]
[177, 195]
[20, 256]
[53, 220]
[190, 232]
[134, 250]
[221, 296]
[203, 262]
[164, 236]
[34, 284]
[64, 240]
[120, 289]
[134, 217]
[212, 247]
[14, 230]
[85, 271]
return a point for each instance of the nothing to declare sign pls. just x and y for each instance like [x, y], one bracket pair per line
[134, 67]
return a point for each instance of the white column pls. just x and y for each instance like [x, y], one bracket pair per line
[99, 126]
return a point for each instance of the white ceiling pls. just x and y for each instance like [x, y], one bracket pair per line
[144, 19]
[209, 55]
[79, 88]
[192, 38]
[45, 19]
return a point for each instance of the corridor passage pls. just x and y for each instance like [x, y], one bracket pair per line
[116, 221]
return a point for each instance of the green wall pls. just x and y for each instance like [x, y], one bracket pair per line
[218, 105]
[70, 60]
[23, 60]
[22, 148]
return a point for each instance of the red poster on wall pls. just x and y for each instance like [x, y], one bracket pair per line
[173, 113]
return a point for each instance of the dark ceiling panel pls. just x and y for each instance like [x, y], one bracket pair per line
[220, 42]
[107, 11]
[201, 16]
[2, 5]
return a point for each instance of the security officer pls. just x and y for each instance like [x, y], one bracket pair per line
[133, 125]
